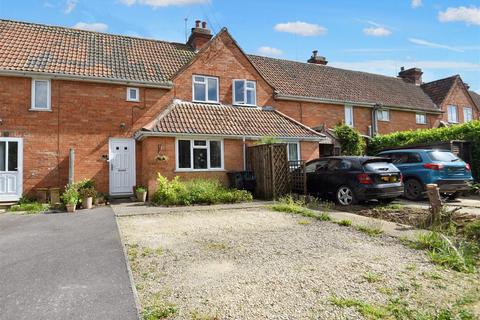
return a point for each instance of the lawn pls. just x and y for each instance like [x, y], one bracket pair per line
[262, 264]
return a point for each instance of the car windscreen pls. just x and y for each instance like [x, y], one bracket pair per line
[445, 156]
[379, 167]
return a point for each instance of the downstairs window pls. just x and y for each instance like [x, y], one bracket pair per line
[198, 154]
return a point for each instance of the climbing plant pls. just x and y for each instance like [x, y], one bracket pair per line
[350, 140]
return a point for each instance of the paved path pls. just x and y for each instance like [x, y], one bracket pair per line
[63, 266]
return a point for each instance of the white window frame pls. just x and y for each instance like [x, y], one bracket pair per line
[298, 151]
[205, 82]
[244, 102]
[424, 115]
[349, 113]
[470, 113]
[222, 158]
[129, 97]
[49, 95]
[381, 113]
[452, 107]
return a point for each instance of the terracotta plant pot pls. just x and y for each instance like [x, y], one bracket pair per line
[141, 196]
[71, 207]
[87, 203]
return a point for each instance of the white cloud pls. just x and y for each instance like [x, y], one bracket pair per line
[269, 51]
[377, 31]
[469, 15]
[95, 26]
[301, 28]
[416, 3]
[70, 6]
[429, 44]
[163, 3]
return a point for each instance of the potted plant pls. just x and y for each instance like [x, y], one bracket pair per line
[87, 195]
[141, 193]
[70, 198]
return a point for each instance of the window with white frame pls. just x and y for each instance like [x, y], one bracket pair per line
[244, 92]
[41, 95]
[383, 115]
[349, 115]
[293, 153]
[452, 114]
[205, 89]
[420, 118]
[467, 114]
[133, 94]
[199, 154]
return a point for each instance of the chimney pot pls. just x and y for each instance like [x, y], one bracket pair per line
[315, 52]
[204, 25]
[316, 59]
[200, 35]
[197, 23]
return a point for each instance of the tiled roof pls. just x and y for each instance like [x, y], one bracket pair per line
[439, 89]
[212, 119]
[476, 98]
[39, 48]
[324, 82]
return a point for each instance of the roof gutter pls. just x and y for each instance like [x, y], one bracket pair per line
[140, 135]
[279, 96]
[160, 85]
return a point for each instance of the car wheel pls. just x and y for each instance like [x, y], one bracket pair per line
[386, 200]
[345, 196]
[413, 189]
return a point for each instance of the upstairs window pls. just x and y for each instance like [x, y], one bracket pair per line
[41, 95]
[349, 116]
[133, 94]
[421, 118]
[383, 115]
[205, 89]
[244, 92]
[452, 114]
[467, 114]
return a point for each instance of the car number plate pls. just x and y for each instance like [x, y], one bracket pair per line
[390, 179]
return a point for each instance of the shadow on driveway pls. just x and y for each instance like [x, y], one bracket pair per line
[64, 266]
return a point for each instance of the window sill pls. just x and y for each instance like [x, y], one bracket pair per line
[40, 110]
[199, 170]
[206, 102]
[422, 123]
[244, 105]
[383, 120]
[132, 100]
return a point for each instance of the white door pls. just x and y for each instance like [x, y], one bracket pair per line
[11, 169]
[122, 166]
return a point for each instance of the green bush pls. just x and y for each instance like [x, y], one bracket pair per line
[469, 131]
[71, 195]
[198, 191]
[350, 139]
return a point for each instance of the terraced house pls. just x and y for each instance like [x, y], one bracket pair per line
[132, 107]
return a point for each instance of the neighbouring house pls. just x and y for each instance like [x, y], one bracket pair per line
[452, 96]
[132, 107]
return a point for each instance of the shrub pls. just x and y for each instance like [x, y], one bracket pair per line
[350, 139]
[472, 231]
[85, 184]
[140, 189]
[469, 131]
[71, 195]
[87, 192]
[198, 191]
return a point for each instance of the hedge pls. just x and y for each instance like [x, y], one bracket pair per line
[468, 131]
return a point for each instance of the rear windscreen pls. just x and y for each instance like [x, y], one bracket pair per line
[446, 156]
[379, 167]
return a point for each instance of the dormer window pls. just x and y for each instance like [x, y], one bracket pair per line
[205, 89]
[244, 92]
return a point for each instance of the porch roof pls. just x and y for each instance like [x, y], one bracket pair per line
[189, 118]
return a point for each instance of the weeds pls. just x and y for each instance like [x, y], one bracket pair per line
[288, 204]
[345, 223]
[371, 231]
[158, 311]
[371, 277]
[303, 222]
[32, 207]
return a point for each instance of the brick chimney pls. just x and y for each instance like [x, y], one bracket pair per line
[316, 59]
[200, 35]
[412, 75]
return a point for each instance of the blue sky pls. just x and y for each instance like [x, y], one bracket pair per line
[440, 36]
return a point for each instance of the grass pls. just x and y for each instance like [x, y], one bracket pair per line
[195, 315]
[216, 246]
[367, 310]
[158, 311]
[345, 223]
[290, 205]
[371, 231]
[304, 222]
[371, 277]
[29, 207]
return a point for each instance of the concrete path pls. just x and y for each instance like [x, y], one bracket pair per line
[64, 266]
[467, 205]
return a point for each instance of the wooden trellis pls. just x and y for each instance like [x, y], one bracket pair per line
[270, 164]
[298, 176]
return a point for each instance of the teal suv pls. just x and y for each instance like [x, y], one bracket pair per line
[420, 167]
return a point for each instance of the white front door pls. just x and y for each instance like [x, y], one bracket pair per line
[11, 169]
[122, 166]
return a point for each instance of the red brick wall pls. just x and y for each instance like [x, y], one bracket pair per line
[457, 97]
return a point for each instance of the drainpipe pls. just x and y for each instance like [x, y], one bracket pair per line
[244, 155]
[376, 107]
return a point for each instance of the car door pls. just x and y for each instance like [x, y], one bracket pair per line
[337, 174]
[315, 171]
[409, 163]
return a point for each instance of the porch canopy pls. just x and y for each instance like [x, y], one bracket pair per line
[235, 122]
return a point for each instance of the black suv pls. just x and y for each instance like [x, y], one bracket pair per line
[351, 179]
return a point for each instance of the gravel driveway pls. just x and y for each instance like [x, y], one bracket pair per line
[260, 264]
